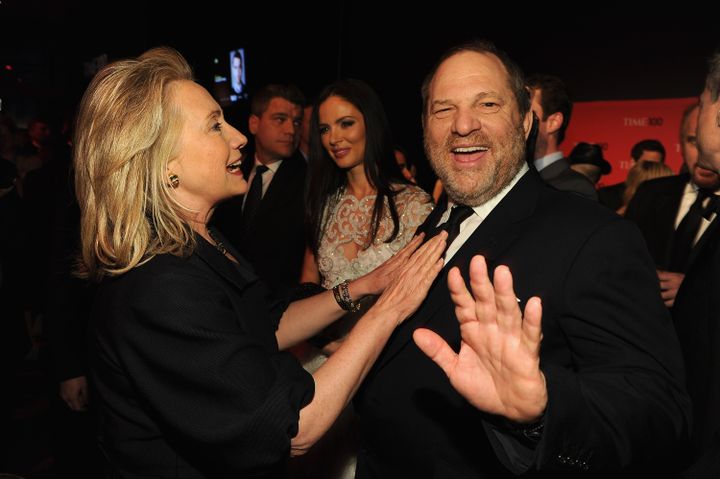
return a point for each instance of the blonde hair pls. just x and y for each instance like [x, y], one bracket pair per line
[643, 171]
[127, 131]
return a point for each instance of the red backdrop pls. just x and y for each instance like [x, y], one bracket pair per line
[618, 125]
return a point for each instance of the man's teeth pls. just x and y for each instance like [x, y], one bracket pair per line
[234, 166]
[470, 149]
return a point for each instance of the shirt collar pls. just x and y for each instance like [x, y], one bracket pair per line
[486, 208]
[547, 160]
[272, 166]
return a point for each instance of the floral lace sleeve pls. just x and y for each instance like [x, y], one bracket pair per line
[414, 205]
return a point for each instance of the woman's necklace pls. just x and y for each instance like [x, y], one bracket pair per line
[218, 244]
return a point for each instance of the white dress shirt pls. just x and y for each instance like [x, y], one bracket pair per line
[689, 196]
[468, 227]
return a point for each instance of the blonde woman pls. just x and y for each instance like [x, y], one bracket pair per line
[640, 172]
[185, 352]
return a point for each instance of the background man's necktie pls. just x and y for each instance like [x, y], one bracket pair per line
[254, 195]
[686, 232]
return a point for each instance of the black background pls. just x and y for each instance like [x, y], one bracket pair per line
[612, 53]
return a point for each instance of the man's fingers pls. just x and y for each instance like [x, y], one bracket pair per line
[436, 349]
[464, 302]
[532, 323]
[508, 311]
[482, 290]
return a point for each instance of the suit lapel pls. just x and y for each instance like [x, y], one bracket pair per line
[240, 276]
[709, 237]
[666, 207]
[278, 190]
[495, 234]
[433, 218]
[669, 203]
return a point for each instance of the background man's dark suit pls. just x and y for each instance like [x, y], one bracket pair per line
[654, 209]
[275, 241]
[612, 196]
[696, 314]
[559, 175]
[609, 353]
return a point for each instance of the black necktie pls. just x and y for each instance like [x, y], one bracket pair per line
[686, 232]
[254, 196]
[712, 206]
[458, 214]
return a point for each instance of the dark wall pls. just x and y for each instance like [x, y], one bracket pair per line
[610, 55]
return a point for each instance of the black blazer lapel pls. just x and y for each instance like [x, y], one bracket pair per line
[282, 189]
[666, 207]
[710, 236]
[494, 235]
[434, 217]
[279, 190]
[241, 275]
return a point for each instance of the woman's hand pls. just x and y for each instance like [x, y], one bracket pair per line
[378, 279]
[412, 279]
[339, 378]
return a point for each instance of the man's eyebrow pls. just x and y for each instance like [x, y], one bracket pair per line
[441, 102]
[485, 94]
[480, 96]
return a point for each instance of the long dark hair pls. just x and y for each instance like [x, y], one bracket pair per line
[325, 180]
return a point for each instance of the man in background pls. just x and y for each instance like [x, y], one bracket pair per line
[663, 209]
[267, 224]
[552, 106]
[697, 307]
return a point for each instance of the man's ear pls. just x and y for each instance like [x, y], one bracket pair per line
[554, 122]
[528, 123]
[253, 123]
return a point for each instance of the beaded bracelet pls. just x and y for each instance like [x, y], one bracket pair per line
[342, 296]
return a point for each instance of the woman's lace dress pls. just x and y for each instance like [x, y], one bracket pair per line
[350, 222]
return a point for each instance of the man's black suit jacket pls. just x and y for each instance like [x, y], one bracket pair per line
[275, 241]
[609, 354]
[696, 314]
[612, 196]
[654, 209]
[559, 175]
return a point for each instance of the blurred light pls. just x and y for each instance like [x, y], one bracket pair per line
[8, 68]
